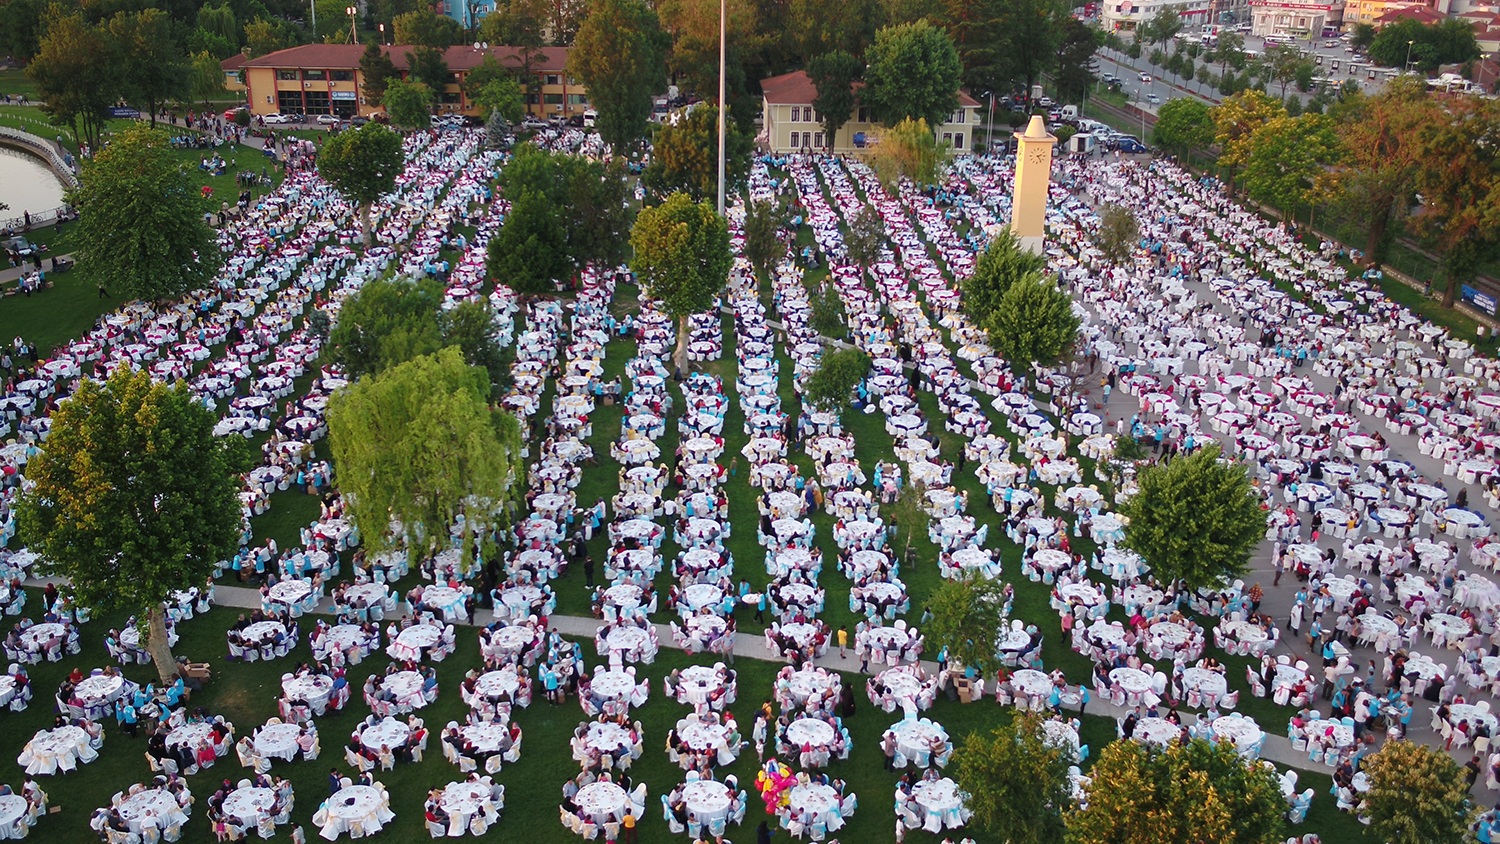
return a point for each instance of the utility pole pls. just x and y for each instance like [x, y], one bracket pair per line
[723, 27]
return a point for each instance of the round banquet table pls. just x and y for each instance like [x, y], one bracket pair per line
[411, 642]
[485, 736]
[602, 802]
[189, 735]
[1031, 682]
[100, 688]
[157, 801]
[503, 681]
[707, 800]
[612, 685]
[388, 732]
[1238, 730]
[608, 737]
[697, 682]
[808, 682]
[290, 591]
[262, 632]
[364, 804]
[406, 686]
[1208, 683]
[1156, 731]
[463, 800]
[312, 688]
[821, 800]
[36, 636]
[13, 807]
[278, 741]
[701, 595]
[914, 736]
[1131, 680]
[248, 805]
[701, 736]
[42, 754]
[939, 798]
[819, 734]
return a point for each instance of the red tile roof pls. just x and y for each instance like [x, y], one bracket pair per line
[459, 59]
[234, 62]
[1421, 14]
[796, 88]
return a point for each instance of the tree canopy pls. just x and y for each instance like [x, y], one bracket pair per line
[620, 55]
[422, 27]
[152, 67]
[682, 258]
[1002, 263]
[1033, 323]
[384, 324]
[967, 615]
[1418, 795]
[141, 231]
[684, 155]
[408, 104]
[1015, 778]
[1286, 155]
[529, 254]
[830, 387]
[1445, 42]
[1459, 183]
[763, 245]
[419, 444]
[1184, 124]
[362, 164]
[1184, 792]
[378, 71]
[912, 73]
[1195, 520]
[1119, 233]
[73, 75]
[909, 150]
[1235, 120]
[833, 74]
[134, 498]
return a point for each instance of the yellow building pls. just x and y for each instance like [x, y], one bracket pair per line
[326, 79]
[791, 123]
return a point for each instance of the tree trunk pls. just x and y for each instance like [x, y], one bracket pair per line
[364, 223]
[679, 356]
[158, 646]
[1450, 292]
[1378, 224]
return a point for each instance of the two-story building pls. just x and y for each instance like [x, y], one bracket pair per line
[1294, 18]
[1118, 15]
[792, 124]
[326, 79]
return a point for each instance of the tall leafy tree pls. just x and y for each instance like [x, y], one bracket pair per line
[408, 104]
[816, 27]
[967, 614]
[1418, 795]
[1162, 26]
[597, 222]
[681, 258]
[865, 238]
[141, 232]
[1033, 323]
[425, 28]
[1016, 779]
[830, 387]
[833, 74]
[420, 444]
[266, 35]
[763, 244]
[134, 499]
[1235, 120]
[974, 26]
[909, 150]
[693, 26]
[1119, 234]
[1000, 266]
[684, 156]
[153, 69]
[385, 324]
[1184, 124]
[1196, 519]
[221, 21]
[206, 79]
[1185, 792]
[1379, 159]
[1445, 42]
[377, 70]
[1031, 33]
[1459, 184]
[426, 65]
[363, 165]
[530, 252]
[1286, 155]
[912, 73]
[1073, 70]
[1286, 64]
[76, 74]
[22, 25]
[517, 23]
[620, 57]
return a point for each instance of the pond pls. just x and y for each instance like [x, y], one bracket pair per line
[27, 184]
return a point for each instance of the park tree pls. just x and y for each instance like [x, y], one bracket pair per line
[968, 614]
[1184, 124]
[267, 35]
[1000, 266]
[423, 27]
[620, 57]
[1430, 46]
[1286, 64]
[470, 327]
[1119, 233]
[681, 258]
[428, 67]
[825, 311]
[134, 499]
[1162, 26]
[529, 254]
[151, 64]
[517, 23]
[206, 78]
[1364, 36]
[141, 232]
[909, 150]
[378, 71]
[1229, 52]
[833, 74]
[1033, 323]
[1073, 72]
[385, 324]
[220, 20]
[1378, 163]
[1017, 780]
[1182, 793]
[362, 164]
[1196, 519]
[419, 443]
[815, 27]
[693, 60]
[23, 23]
[912, 73]
[1418, 795]
[1286, 154]
[1031, 33]
[75, 75]
[494, 89]
[830, 387]
[974, 27]
[684, 155]
[1235, 120]
[763, 244]
[592, 231]
[864, 238]
[1459, 183]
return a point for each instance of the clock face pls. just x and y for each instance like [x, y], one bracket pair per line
[1038, 155]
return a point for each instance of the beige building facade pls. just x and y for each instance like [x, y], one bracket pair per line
[791, 124]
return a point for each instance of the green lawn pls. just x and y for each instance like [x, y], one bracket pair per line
[14, 82]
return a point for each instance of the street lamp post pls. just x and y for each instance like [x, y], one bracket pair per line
[723, 26]
[352, 11]
[382, 32]
[313, 4]
[1407, 67]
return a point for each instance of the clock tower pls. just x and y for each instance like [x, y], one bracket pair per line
[1028, 212]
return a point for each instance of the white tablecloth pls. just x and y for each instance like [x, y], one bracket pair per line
[278, 741]
[601, 802]
[706, 800]
[248, 805]
[155, 801]
[361, 804]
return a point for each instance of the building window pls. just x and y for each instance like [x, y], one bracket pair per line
[958, 117]
[818, 140]
[287, 75]
[289, 102]
[864, 115]
[806, 140]
[796, 114]
[532, 99]
[578, 99]
[554, 79]
[812, 116]
[796, 138]
[317, 102]
[552, 99]
[958, 141]
[948, 138]
[341, 75]
[314, 75]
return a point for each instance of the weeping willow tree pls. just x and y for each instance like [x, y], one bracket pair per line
[419, 444]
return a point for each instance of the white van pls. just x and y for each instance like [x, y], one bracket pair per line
[590, 117]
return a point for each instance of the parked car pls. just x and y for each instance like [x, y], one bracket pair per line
[1153, 99]
[277, 119]
[1128, 145]
[533, 122]
[330, 119]
[229, 112]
